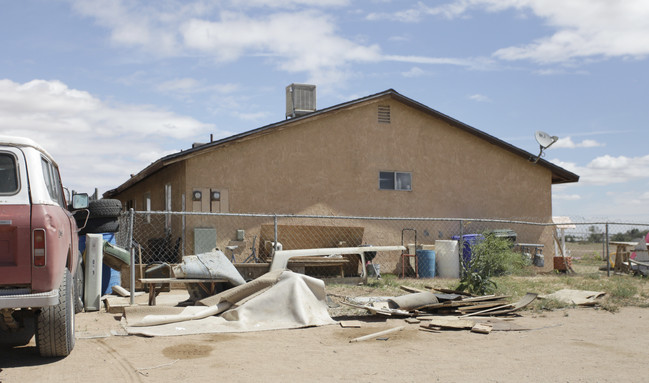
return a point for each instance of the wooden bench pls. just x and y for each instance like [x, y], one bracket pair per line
[303, 262]
[208, 285]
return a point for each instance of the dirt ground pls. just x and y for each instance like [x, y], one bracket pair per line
[571, 345]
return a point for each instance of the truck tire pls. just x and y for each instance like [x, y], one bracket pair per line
[101, 225]
[55, 324]
[105, 208]
[79, 281]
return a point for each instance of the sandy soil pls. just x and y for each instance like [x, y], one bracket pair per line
[573, 345]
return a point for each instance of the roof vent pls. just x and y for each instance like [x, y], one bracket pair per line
[300, 100]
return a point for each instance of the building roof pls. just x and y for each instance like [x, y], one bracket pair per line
[559, 174]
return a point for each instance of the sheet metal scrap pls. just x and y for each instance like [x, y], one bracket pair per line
[448, 304]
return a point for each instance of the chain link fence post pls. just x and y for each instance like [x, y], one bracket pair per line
[608, 254]
[131, 216]
[460, 250]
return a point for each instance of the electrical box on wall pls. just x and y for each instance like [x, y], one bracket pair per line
[210, 200]
[241, 234]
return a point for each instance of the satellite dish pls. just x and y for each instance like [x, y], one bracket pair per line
[545, 141]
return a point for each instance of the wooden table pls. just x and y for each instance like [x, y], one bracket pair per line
[209, 285]
[622, 253]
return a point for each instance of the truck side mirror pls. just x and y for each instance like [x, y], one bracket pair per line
[80, 201]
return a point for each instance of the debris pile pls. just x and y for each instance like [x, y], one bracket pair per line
[443, 302]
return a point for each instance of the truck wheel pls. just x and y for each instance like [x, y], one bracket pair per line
[101, 225]
[105, 208]
[55, 324]
[79, 281]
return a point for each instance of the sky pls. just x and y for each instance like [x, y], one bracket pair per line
[109, 86]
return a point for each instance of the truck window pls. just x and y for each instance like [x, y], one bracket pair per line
[8, 174]
[52, 182]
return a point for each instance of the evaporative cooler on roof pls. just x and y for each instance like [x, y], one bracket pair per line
[300, 100]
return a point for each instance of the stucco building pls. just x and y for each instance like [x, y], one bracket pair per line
[381, 155]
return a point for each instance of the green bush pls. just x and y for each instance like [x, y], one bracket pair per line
[490, 258]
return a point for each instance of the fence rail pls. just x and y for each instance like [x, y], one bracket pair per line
[162, 236]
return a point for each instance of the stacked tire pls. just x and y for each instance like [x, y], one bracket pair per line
[102, 217]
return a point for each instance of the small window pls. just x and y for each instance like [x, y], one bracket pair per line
[9, 183]
[147, 206]
[52, 181]
[168, 208]
[395, 181]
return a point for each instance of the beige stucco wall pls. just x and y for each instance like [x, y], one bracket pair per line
[329, 164]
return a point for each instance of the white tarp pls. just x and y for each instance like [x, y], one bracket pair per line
[294, 301]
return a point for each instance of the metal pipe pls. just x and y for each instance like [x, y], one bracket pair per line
[608, 254]
[131, 216]
[274, 237]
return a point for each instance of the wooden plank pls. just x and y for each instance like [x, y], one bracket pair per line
[412, 289]
[449, 323]
[351, 324]
[181, 280]
[449, 291]
[481, 306]
[482, 328]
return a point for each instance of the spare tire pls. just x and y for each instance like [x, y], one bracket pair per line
[105, 208]
[101, 225]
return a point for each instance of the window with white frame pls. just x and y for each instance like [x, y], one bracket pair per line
[395, 181]
[147, 205]
[168, 208]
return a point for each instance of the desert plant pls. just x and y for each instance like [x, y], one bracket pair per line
[490, 257]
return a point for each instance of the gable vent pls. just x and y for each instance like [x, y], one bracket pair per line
[384, 114]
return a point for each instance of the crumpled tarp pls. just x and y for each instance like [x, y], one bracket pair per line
[214, 264]
[292, 301]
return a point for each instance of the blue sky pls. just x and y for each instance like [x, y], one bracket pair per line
[110, 86]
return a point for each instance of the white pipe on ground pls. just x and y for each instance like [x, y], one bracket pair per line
[281, 257]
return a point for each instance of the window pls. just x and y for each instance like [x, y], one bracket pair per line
[147, 206]
[168, 208]
[52, 181]
[395, 181]
[8, 174]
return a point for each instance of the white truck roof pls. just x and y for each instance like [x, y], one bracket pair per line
[24, 141]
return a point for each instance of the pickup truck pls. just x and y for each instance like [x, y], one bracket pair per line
[41, 277]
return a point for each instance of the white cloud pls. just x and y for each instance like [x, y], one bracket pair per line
[568, 143]
[305, 41]
[479, 98]
[606, 170]
[289, 3]
[95, 143]
[566, 197]
[418, 12]
[189, 85]
[295, 42]
[414, 72]
[584, 28]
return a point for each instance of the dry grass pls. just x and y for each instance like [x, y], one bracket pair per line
[621, 290]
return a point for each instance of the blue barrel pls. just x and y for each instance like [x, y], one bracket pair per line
[426, 263]
[469, 240]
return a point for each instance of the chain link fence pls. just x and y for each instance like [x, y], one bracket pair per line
[246, 239]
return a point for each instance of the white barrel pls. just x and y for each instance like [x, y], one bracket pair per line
[447, 259]
[93, 264]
